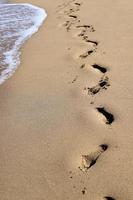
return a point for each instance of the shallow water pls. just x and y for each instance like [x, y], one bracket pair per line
[18, 22]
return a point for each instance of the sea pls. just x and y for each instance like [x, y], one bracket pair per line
[18, 22]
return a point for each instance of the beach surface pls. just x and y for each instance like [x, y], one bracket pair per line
[66, 113]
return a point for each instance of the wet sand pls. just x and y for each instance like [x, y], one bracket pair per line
[66, 127]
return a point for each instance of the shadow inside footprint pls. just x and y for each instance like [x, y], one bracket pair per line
[83, 26]
[89, 160]
[109, 198]
[109, 117]
[90, 41]
[100, 68]
[82, 66]
[77, 4]
[73, 16]
[86, 54]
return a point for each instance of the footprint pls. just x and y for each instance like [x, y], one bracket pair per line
[86, 27]
[77, 6]
[87, 161]
[82, 33]
[68, 25]
[84, 36]
[109, 118]
[87, 53]
[102, 85]
[100, 68]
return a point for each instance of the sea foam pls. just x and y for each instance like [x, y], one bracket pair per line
[18, 22]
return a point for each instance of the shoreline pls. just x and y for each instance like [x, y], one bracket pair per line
[17, 35]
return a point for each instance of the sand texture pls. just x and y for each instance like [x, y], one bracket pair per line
[66, 114]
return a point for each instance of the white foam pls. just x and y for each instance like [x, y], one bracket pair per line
[28, 18]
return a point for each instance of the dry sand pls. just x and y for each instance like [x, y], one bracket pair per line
[51, 131]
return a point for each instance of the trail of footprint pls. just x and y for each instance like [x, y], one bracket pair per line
[71, 13]
[103, 84]
[87, 161]
[109, 118]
